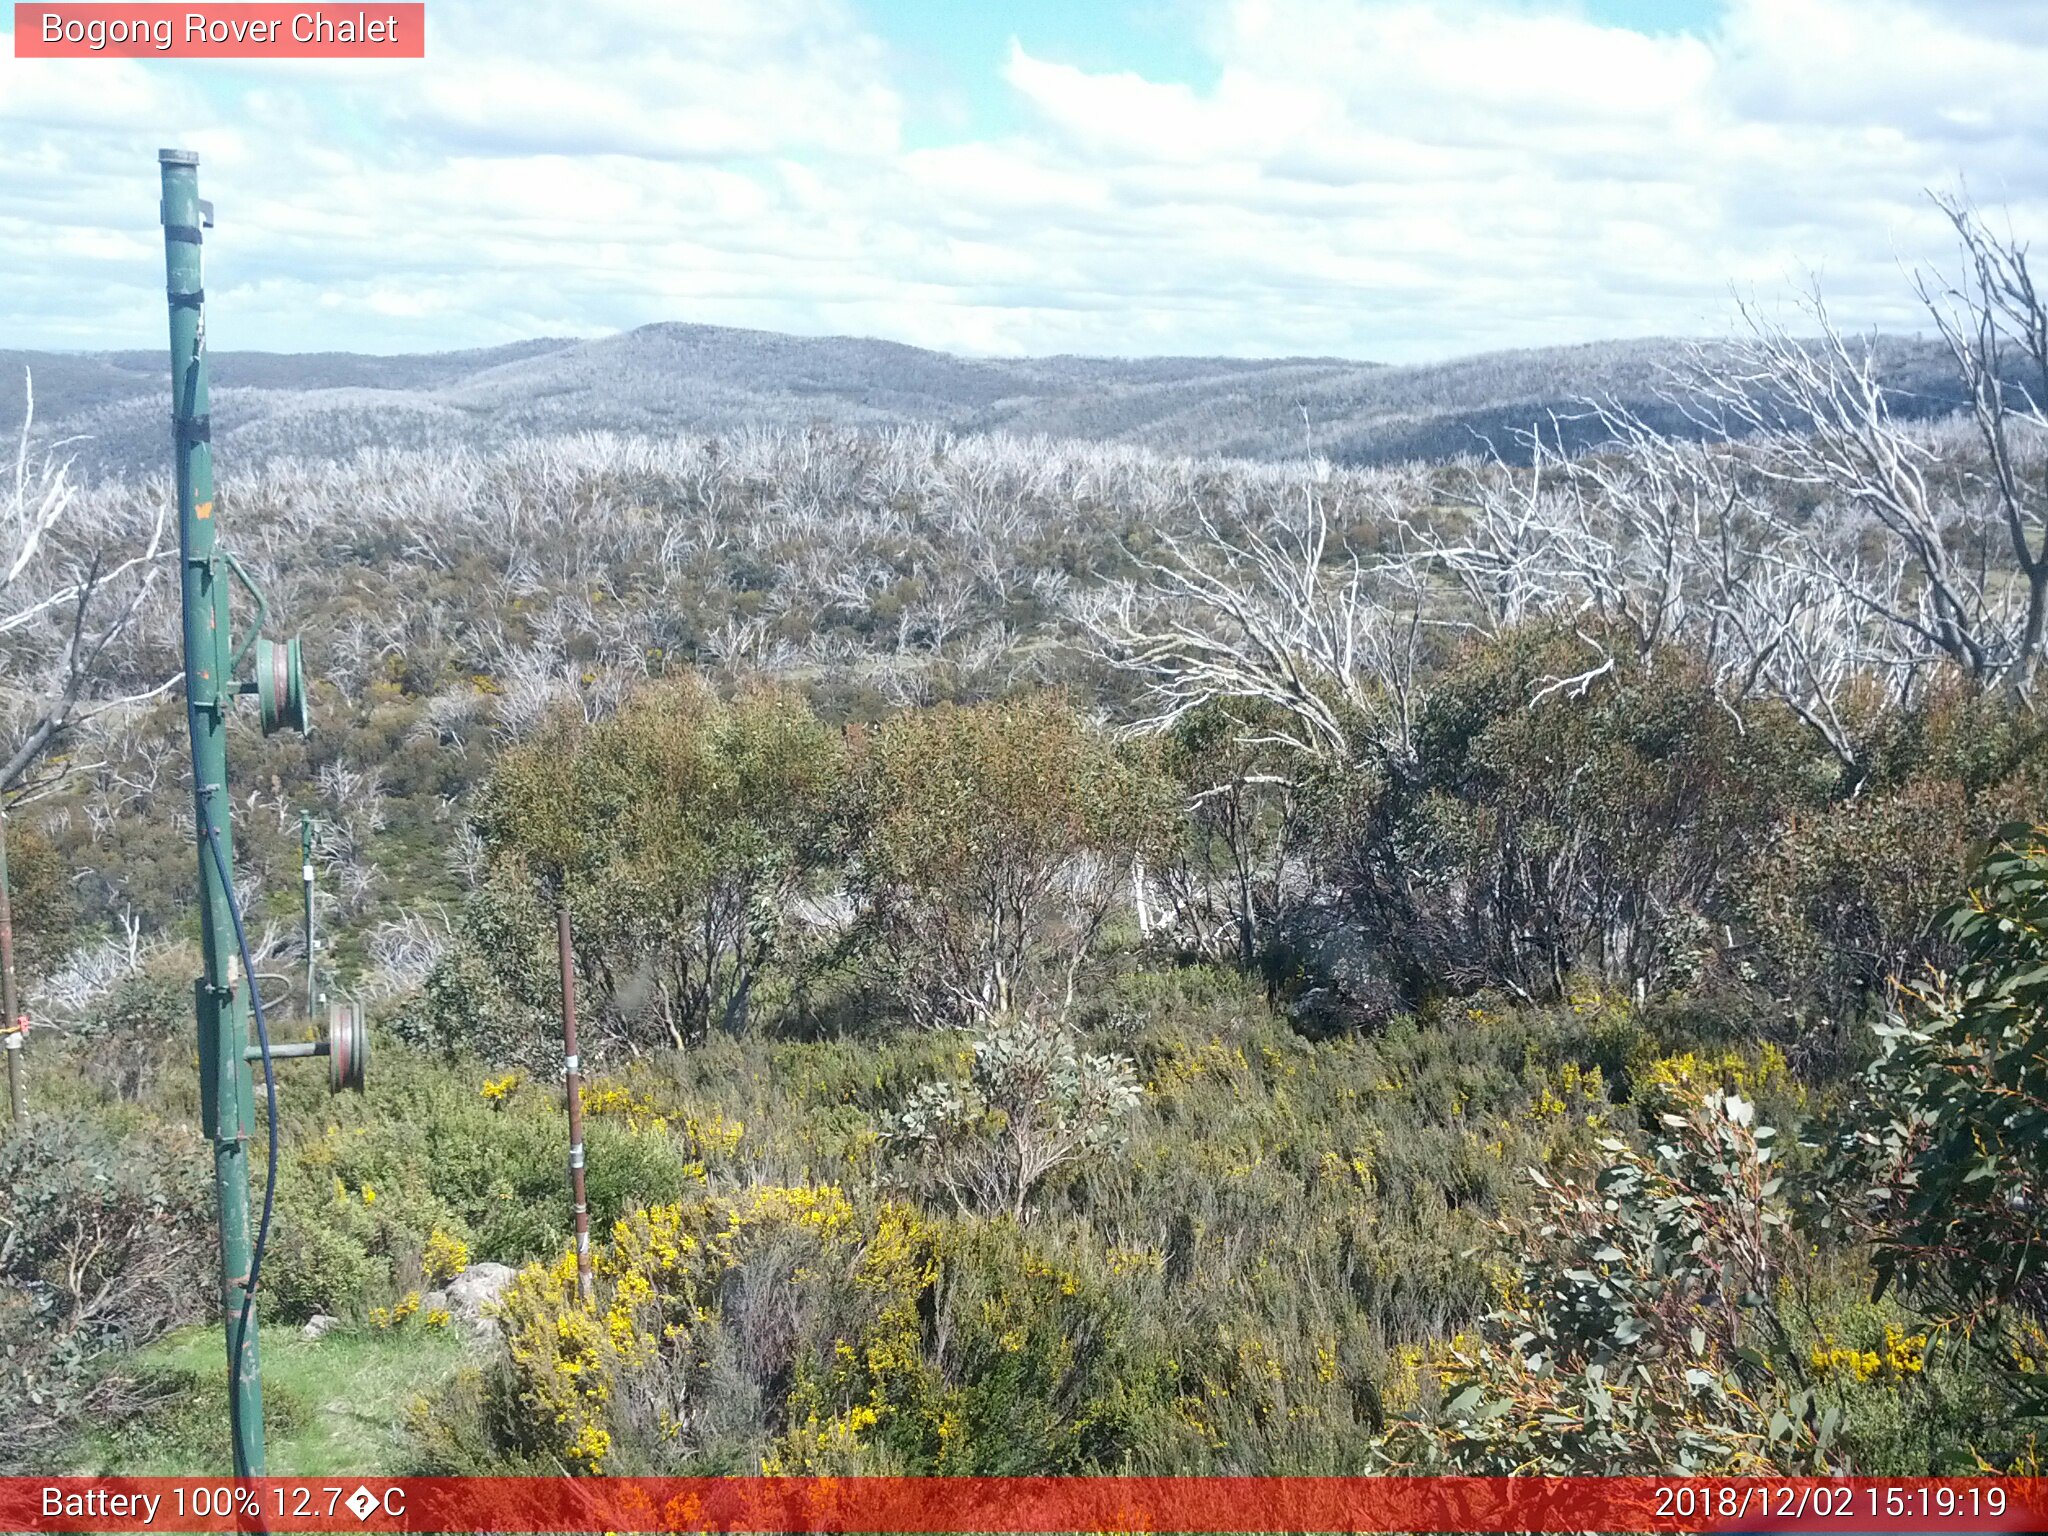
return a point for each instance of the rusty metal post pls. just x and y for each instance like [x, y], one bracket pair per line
[12, 1025]
[574, 1090]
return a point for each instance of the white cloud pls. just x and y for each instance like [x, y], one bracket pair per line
[696, 81]
[1398, 179]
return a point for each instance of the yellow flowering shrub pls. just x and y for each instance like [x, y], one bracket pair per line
[2027, 1349]
[1185, 1063]
[1402, 1389]
[605, 1098]
[817, 1208]
[445, 1256]
[1125, 1261]
[578, 1368]
[711, 1137]
[879, 1374]
[395, 1315]
[1691, 1074]
[1902, 1355]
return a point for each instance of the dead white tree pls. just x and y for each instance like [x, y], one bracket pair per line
[1961, 577]
[1647, 539]
[68, 593]
[1641, 541]
[1267, 618]
[1996, 327]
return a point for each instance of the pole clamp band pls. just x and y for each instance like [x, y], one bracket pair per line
[184, 234]
[196, 299]
[193, 429]
[576, 1157]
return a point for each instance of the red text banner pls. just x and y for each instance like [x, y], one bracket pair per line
[233, 31]
[1047, 1504]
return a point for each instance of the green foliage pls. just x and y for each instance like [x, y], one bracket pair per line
[990, 844]
[1151, 1315]
[364, 1184]
[337, 1405]
[679, 831]
[46, 914]
[1951, 1130]
[1576, 909]
[1244, 818]
[142, 1025]
[496, 993]
[1545, 826]
[1642, 1333]
[1849, 900]
[1033, 1102]
[1291, 1249]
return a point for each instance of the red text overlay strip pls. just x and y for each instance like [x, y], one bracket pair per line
[1049, 1504]
[239, 31]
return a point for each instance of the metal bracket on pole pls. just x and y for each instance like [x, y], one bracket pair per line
[347, 1048]
[235, 568]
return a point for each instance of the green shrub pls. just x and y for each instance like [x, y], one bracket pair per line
[1950, 1133]
[1847, 903]
[1033, 1103]
[323, 1253]
[364, 1185]
[45, 906]
[1641, 1331]
[496, 993]
[107, 1244]
[1225, 881]
[680, 831]
[1543, 828]
[141, 1029]
[990, 845]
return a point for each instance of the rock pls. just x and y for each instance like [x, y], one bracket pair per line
[435, 1301]
[472, 1295]
[1343, 980]
[319, 1325]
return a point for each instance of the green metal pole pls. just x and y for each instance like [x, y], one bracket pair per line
[227, 1097]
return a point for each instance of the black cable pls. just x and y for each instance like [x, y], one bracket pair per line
[227, 882]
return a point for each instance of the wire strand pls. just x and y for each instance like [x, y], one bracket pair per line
[242, 1468]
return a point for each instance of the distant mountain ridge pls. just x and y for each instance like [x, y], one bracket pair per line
[675, 377]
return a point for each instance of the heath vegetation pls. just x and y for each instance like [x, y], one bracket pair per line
[1097, 961]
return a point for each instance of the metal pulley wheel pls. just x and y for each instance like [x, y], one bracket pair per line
[281, 686]
[348, 1047]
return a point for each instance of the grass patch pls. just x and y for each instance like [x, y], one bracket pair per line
[331, 1406]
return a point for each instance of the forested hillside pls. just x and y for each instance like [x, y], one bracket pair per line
[1094, 960]
[664, 379]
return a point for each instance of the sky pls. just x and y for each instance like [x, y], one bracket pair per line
[1399, 180]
